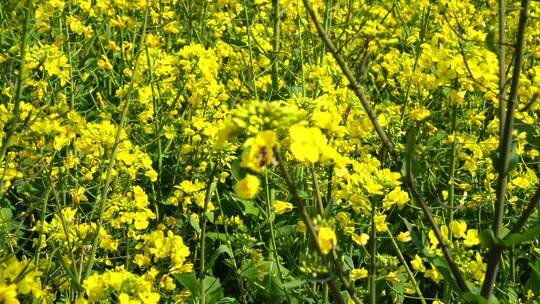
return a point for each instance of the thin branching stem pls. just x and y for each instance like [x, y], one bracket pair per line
[108, 178]
[494, 256]
[207, 196]
[19, 88]
[355, 86]
[297, 200]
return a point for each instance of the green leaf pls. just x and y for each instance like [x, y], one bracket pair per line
[527, 236]
[533, 134]
[227, 300]
[219, 251]
[415, 238]
[442, 266]
[195, 224]
[294, 283]
[236, 170]
[488, 238]
[534, 276]
[250, 209]
[296, 90]
[189, 282]
[440, 135]
[513, 158]
[473, 298]
[348, 263]
[411, 162]
[264, 279]
[213, 290]
[5, 214]
[210, 216]
[491, 44]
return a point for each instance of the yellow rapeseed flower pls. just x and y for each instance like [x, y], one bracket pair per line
[434, 275]
[458, 228]
[404, 237]
[380, 222]
[8, 294]
[360, 239]
[281, 207]
[306, 143]
[471, 238]
[247, 187]
[357, 274]
[326, 239]
[418, 264]
[258, 151]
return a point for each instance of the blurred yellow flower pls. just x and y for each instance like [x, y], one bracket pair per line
[258, 151]
[404, 237]
[434, 275]
[300, 226]
[326, 239]
[392, 277]
[247, 187]
[360, 239]
[281, 207]
[8, 294]
[305, 141]
[357, 274]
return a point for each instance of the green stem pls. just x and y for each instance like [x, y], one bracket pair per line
[373, 259]
[502, 65]
[237, 271]
[355, 86]
[451, 182]
[309, 226]
[270, 220]
[495, 253]
[316, 189]
[407, 268]
[202, 260]
[112, 157]
[318, 197]
[357, 89]
[18, 91]
[275, 50]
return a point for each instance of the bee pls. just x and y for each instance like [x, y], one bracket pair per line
[263, 157]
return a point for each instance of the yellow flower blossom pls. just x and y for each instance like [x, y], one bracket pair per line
[360, 239]
[404, 237]
[281, 207]
[357, 274]
[418, 264]
[326, 239]
[8, 294]
[434, 275]
[380, 222]
[419, 114]
[471, 238]
[300, 226]
[309, 144]
[247, 187]
[392, 277]
[396, 196]
[458, 228]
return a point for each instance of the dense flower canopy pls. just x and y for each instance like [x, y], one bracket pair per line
[203, 151]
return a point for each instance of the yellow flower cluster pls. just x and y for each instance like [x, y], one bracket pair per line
[124, 286]
[19, 280]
